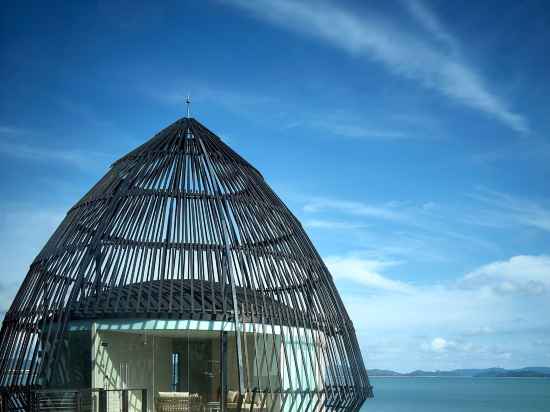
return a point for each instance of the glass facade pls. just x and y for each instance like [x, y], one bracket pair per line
[197, 367]
[200, 366]
[74, 367]
[182, 366]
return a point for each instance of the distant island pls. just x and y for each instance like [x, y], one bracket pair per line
[529, 372]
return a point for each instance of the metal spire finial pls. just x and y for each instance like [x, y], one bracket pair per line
[188, 102]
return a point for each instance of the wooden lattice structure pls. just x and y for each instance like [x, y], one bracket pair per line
[183, 227]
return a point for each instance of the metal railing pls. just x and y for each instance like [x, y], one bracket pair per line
[10, 400]
[89, 400]
[62, 400]
[122, 400]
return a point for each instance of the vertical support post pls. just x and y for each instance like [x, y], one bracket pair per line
[102, 400]
[144, 400]
[223, 209]
[223, 372]
[4, 403]
[33, 401]
[125, 400]
[77, 400]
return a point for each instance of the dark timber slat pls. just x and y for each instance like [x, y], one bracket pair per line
[182, 227]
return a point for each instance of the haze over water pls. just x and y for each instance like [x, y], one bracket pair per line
[459, 394]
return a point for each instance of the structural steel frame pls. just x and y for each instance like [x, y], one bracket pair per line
[182, 227]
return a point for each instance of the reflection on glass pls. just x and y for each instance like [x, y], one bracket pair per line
[176, 372]
[74, 366]
[204, 367]
[192, 368]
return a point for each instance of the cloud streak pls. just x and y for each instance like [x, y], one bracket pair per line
[430, 22]
[332, 224]
[519, 274]
[82, 159]
[406, 54]
[234, 101]
[354, 208]
[356, 130]
[21, 225]
[428, 323]
[507, 209]
[429, 221]
[365, 272]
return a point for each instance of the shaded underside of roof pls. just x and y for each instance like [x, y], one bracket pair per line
[186, 299]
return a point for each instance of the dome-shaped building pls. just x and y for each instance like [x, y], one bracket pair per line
[182, 272]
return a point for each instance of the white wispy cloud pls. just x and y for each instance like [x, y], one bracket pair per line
[415, 230]
[365, 272]
[430, 22]
[12, 145]
[395, 126]
[407, 54]
[434, 318]
[525, 274]
[506, 210]
[480, 330]
[344, 128]
[440, 344]
[22, 225]
[175, 92]
[388, 211]
[332, 224]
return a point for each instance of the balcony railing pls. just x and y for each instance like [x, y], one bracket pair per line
[83, 400]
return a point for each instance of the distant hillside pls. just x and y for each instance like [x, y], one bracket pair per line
[529, 372]
[382, 372]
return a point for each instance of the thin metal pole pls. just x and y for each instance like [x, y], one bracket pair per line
[144, 400]
[125, 400]
[102, 395]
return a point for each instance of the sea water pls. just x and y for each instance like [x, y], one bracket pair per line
[459, 394]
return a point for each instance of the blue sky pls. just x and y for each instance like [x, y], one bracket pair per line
[410, 138]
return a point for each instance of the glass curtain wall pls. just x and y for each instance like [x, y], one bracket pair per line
[203, 365]
[74, 367]
[189, 366]
[195, 368]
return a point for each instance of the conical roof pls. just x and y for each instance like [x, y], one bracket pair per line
[183, 227]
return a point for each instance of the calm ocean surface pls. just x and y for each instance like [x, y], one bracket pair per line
[459, 394]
